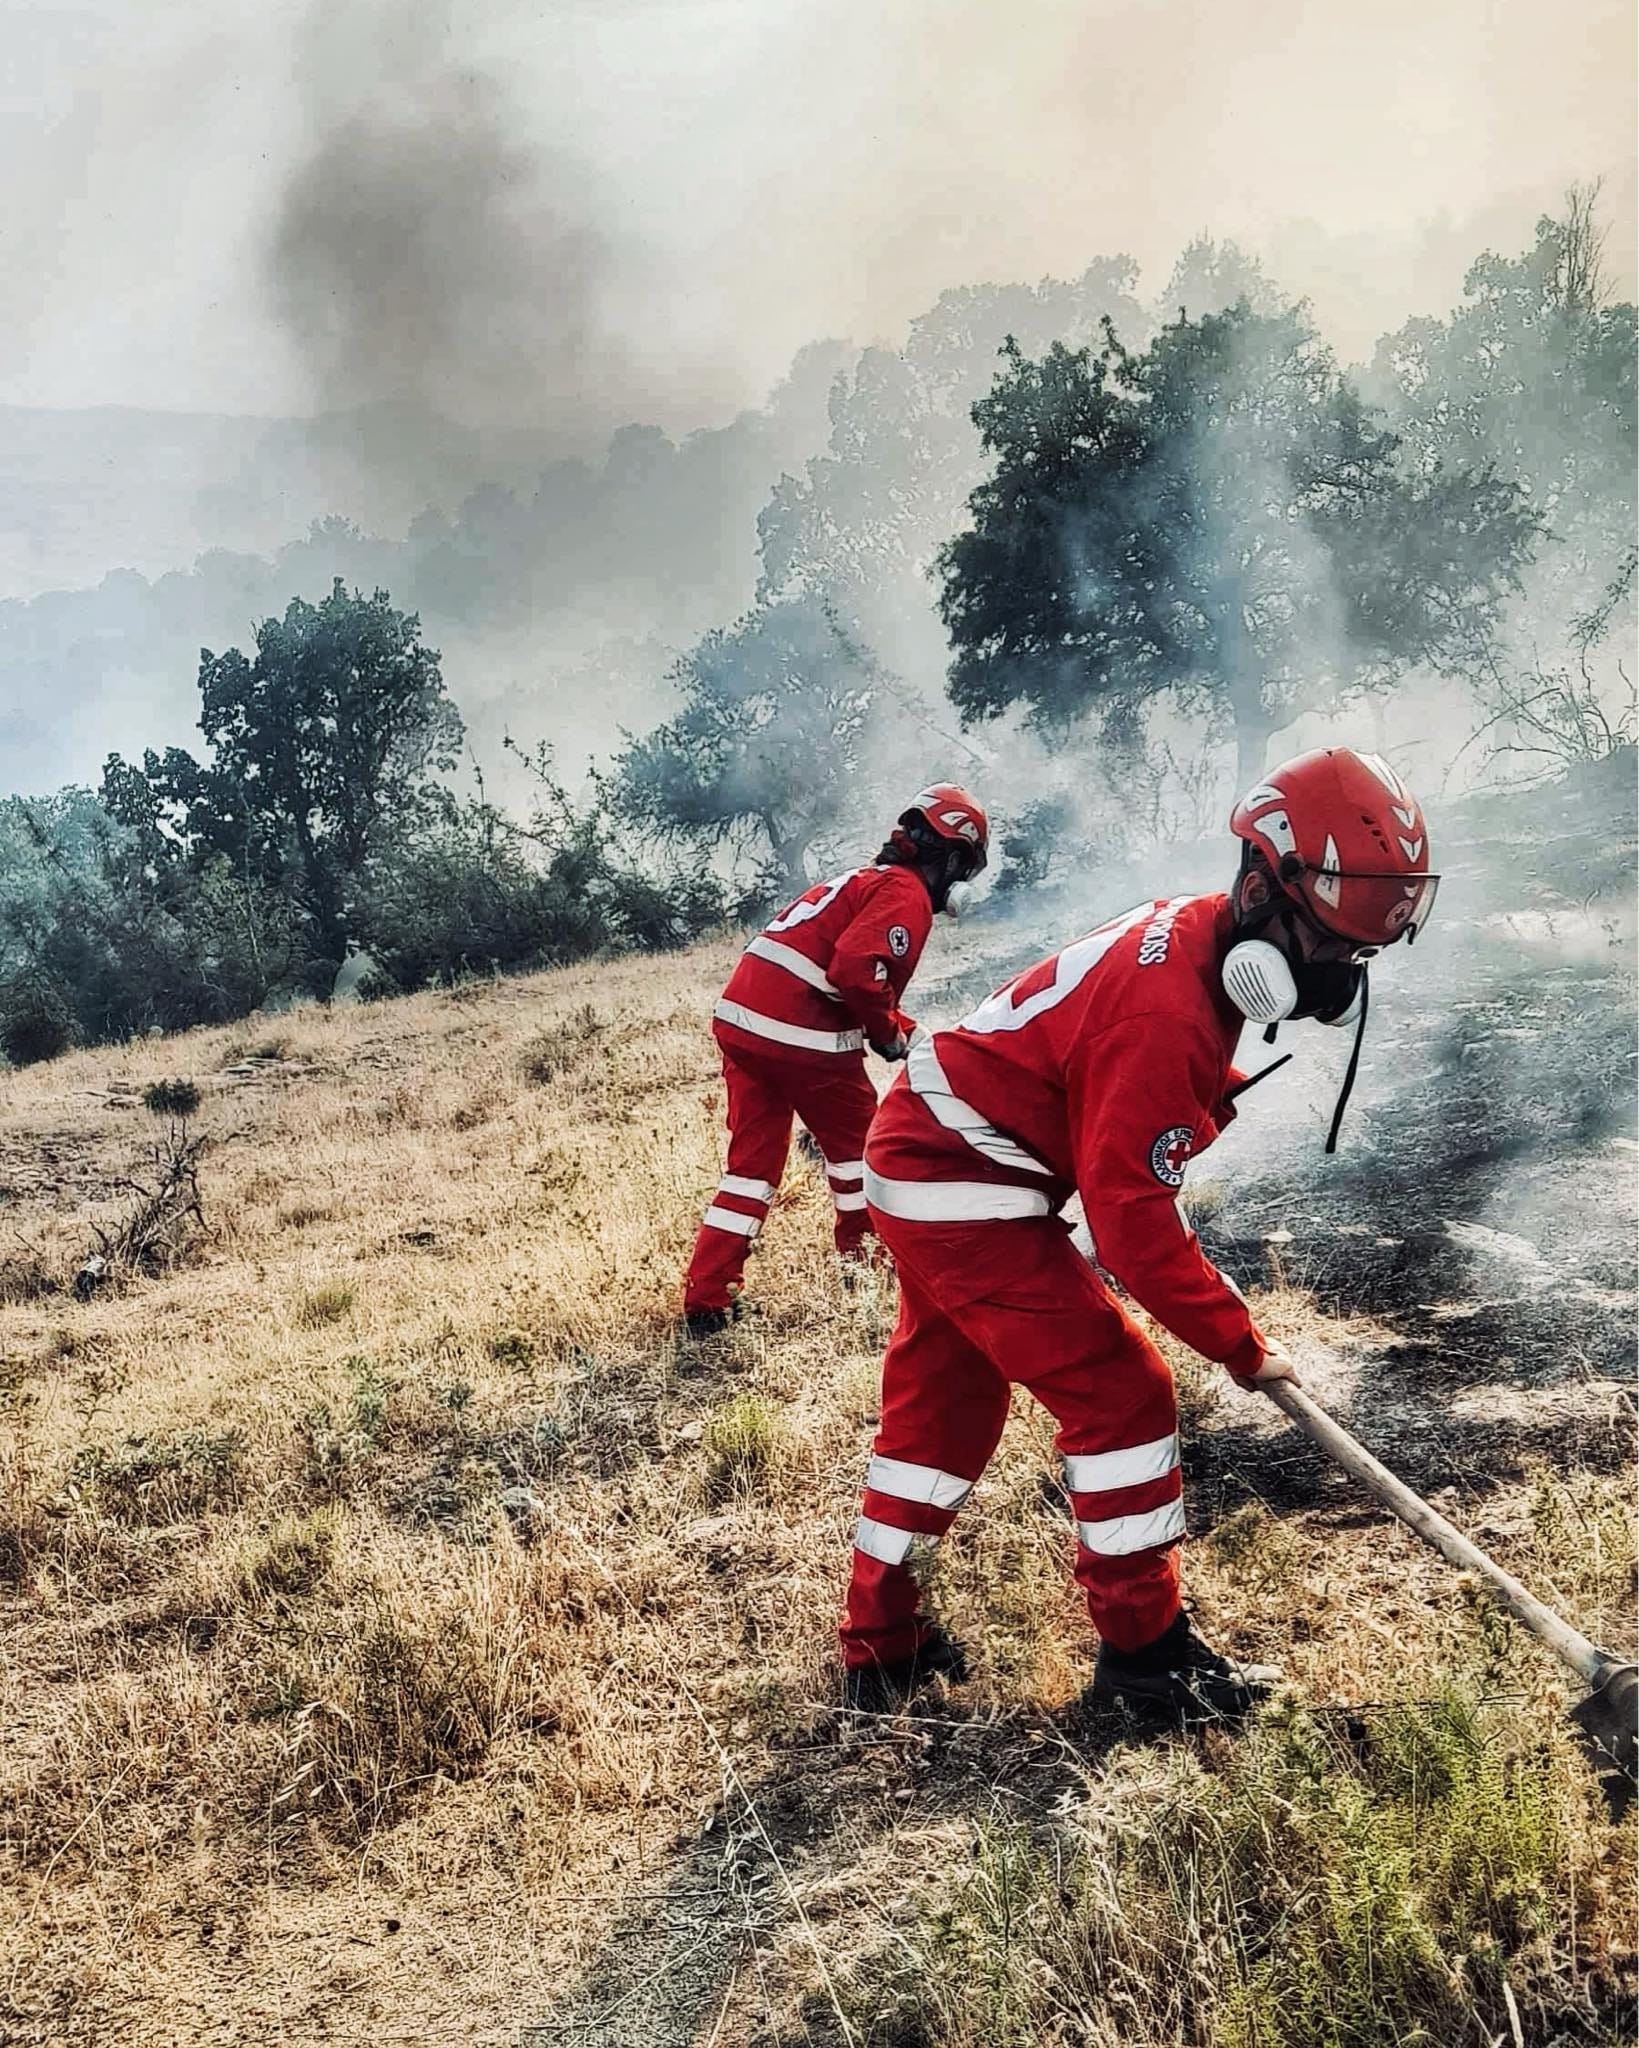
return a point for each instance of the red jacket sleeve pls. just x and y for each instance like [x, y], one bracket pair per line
[876, 955]
[1143, 1095]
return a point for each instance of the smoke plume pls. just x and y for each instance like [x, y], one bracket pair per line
[428, 256]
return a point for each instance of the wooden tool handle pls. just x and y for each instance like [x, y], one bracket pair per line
[1584, 1658]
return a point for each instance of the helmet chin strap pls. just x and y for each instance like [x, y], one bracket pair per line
[1259, 979]
[1347, 1089]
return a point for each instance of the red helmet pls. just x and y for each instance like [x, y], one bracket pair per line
[952, 813]
[1343, 834]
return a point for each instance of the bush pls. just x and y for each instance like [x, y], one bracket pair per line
[742, 1442]
[293, 1557]
[340, 1441]
[1028, 849]
[472, 894]
[111, 926]
[376, 1713]
[324, 1305]
[170, 1098]
[1311, 1889]
[158, 1479]
[36, 1022]
[551, 1053]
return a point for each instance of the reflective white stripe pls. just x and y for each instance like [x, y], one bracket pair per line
[803, 909]
[951, 1201]
[926, 1078]
[731, 1219]
[1070, 969]
[1124, 1533]
[752, 1190]
[878, 1540]
[853, 1201]
[845, 1169]
[795, 963]
[787, 1034]
[923, 1483]
[1099, 1471]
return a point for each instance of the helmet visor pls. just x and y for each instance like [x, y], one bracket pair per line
[1376, 908]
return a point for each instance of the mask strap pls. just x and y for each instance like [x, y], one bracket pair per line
[1347, 1089]
[1252, 1080]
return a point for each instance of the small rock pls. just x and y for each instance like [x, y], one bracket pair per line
[90, 1277]
[525, 1510]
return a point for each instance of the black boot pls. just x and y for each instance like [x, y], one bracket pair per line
[1180, 1676]
[701, 1323]
[884, 1688]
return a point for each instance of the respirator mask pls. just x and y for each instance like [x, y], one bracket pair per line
[954, 893]
[1269, 985]
[1269, 981]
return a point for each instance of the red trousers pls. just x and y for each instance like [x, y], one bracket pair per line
[983, 1305]
[836, 1103]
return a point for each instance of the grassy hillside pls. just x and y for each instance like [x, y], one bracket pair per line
[404, 1643]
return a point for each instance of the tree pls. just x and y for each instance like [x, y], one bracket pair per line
[860, 525]
[1210, 277]
[766, 749]
[331, 734]
[1534, 375]
[1221, 518]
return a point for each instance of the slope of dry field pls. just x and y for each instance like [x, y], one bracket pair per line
[402, 1642]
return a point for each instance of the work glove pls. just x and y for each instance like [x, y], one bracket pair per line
[1274, 1365]
[894, 1048]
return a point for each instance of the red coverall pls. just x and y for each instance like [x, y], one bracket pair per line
[1101, 1071]
[808, 993]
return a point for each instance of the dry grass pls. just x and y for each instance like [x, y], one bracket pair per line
[402, 1642]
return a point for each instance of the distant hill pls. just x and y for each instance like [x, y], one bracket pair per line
[156, 534]
[86, 491]
[81, 491]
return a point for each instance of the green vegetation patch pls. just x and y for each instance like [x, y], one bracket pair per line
[1325, 1886]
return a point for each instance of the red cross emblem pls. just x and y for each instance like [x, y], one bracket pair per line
[1169, 1155]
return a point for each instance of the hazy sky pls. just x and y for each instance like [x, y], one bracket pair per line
[601, 209]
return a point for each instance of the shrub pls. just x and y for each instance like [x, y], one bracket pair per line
[1028, 848]
[293, 1557]
[742, 1442]
[170, 1098]
[1311, 1889]
[157, 1479]
[553, 1051]
[339, 1441]
[324, 1305]
[164, 1226]
[375, 1713]
[471, 894]
[35, 1020]
[511, 1348]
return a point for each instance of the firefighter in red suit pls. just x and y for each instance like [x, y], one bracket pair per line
[810, 992]
[1101, 1072]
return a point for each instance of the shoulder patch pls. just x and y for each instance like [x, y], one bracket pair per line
[1169, 1155]
[899, 941]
